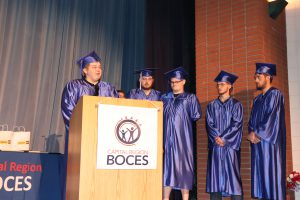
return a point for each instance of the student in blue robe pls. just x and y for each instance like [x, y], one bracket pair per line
[267, 135]
[181, 109]
[146, 91]
[89, 84]
[224, 124]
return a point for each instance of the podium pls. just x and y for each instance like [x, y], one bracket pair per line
[85, 180]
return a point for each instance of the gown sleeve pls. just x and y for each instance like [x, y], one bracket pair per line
[212, 130]
[268, 127]
[114, 92]
[68, 102]
[132, 94]
[195, 108]
[251, 123]
[232, 135]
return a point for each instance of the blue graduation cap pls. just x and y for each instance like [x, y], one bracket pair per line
[89, 58]
[266, 68]
[178, 73]
[226, 77]
[146, 71]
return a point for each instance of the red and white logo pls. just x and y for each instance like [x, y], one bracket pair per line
[128, 131]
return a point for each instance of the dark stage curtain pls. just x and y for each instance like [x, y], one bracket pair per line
[170, 42]
[170, 38]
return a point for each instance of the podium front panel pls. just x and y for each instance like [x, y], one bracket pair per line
[85, 180]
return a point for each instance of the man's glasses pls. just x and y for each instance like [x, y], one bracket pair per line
[174, 82]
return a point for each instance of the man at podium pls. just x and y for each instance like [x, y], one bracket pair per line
[146, 91]
[90, 84]
[181, 109]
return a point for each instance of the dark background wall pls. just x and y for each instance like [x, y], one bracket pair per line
[170, 38]
[170, 42]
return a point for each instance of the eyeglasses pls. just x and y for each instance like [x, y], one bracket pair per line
[174, 82]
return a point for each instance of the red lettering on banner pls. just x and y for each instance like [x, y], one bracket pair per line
[12, 166]
[25, 168]
[3, 166]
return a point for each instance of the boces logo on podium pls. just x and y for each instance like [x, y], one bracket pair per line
[128, 131]
[127, 137]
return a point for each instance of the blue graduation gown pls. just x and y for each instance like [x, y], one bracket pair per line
[77, 88]
[179, 114]
[223, 166]
[154, 95]
[70, 96]
[268, 159]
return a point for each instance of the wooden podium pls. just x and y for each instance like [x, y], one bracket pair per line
[85, 181]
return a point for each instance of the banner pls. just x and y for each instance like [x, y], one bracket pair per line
[127, 137]
[28, 176]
